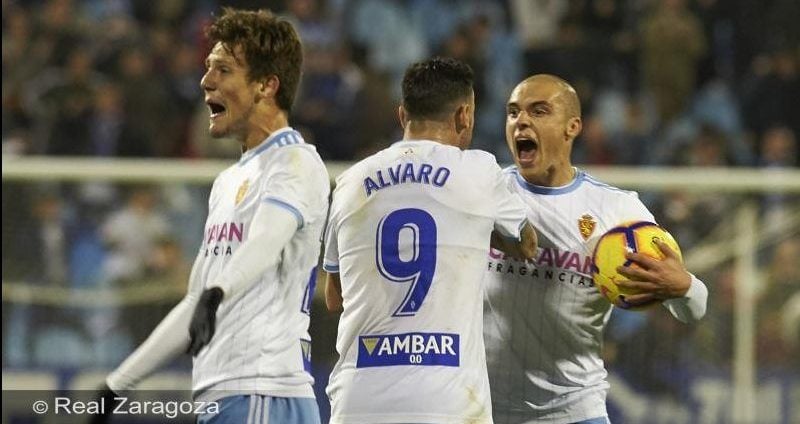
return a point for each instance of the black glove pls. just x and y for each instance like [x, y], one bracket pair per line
[204, 320]
[106, 396]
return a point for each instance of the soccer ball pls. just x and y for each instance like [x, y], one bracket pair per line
[636, 236]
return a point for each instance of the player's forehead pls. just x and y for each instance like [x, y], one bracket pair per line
[535, 91]
[223, 54]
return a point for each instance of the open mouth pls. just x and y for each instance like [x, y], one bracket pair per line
[215, 108]
[526, 149]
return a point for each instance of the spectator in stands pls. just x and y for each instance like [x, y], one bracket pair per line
[779, 149]
[771, 92]
[594, 146]
[672, 45]
[131, 233]
[63, 99]
[147, 102]
[781, 283]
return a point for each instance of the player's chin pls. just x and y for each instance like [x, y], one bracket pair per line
[217, 131]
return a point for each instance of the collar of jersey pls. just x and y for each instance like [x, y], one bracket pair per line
[533, 188]
[283, 137]
[417, 141]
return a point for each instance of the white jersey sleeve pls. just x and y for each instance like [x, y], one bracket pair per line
[292, 187]
[330, 260]
[692, 306]
[272, 228]
[509, 207]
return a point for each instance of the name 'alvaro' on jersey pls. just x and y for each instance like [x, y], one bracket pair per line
[408, 232]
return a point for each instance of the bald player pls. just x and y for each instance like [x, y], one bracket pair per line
[544, 319]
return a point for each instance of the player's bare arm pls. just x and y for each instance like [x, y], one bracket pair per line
[657, 279]
[333, 292]
[525, 248]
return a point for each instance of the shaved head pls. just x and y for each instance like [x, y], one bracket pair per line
[568, 95]
[543, 117]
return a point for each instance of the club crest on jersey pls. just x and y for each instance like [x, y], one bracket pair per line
[586, 225]
[242, 191]
[424, 349]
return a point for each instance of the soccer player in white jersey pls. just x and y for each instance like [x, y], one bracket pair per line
[407, 232]
[544, 318]
[245, 316]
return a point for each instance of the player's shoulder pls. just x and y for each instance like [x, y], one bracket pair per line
[304, 154]
[472, 161]
[605, 189]
[357, 169]
[481, 157]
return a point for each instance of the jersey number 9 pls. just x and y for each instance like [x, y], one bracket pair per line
[419, 264]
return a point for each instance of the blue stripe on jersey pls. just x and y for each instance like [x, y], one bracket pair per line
[286, 138]
[330, 267]
[533, 188]
[288, 207]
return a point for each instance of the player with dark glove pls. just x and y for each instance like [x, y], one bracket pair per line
[204, 320]
[105, 397]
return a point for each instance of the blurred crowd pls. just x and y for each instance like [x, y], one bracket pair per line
[679, 82]
[699, 83]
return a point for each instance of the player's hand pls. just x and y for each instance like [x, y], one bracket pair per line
[204, 320]
[656, 279]
[522, 250]
[107, 397]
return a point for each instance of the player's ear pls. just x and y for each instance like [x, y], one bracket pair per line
[402, 116]
[463, 118]
[574, 127]
[268, 87]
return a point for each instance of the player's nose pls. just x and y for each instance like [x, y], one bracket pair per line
[523, 120]
[206, 82]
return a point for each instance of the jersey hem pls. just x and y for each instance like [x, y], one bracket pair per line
[421, 419]
[211, 395]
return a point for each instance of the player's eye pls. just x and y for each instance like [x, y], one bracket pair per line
[513, 113]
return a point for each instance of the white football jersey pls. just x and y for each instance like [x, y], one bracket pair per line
[261, 344]
[544, 318]
[408, 232]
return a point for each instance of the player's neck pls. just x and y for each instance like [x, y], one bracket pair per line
[263, 128]
[553, 177]
[440, 132]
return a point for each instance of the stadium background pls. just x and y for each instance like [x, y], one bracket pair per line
[91, 264]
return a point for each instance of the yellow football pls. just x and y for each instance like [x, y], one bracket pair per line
[636, 236]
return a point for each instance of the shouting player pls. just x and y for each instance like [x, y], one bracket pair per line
[245, 316]
[544, 320]
[407, 232]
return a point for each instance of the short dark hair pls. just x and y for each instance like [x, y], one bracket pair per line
[270, 44]
[431, 87]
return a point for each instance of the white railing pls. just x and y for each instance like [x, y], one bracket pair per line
[197, 170]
